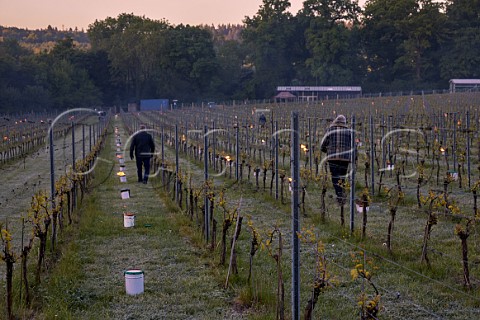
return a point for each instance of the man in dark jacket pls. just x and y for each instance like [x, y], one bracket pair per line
[262, 120]
[337, 145]
[143, 146]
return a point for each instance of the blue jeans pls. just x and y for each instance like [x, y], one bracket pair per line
[145, 162]
[339, 170]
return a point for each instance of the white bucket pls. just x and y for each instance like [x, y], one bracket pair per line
[121, 161]
[134, 281]
[360, 208]
[128, 220]
[125, 193]
[123, 179]
[122, 168]
[453, 175]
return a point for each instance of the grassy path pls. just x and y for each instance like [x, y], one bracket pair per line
[89, 282]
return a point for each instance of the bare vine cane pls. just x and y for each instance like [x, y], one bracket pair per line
[232, 252]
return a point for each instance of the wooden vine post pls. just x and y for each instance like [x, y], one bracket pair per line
[233, 262]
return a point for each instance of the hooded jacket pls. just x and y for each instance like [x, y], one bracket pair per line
[337, 141]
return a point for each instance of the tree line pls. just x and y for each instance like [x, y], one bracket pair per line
[385, 46]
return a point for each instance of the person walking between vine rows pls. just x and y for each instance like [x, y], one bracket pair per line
[337, 145]
[142, 148]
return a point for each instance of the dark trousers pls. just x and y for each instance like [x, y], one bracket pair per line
[145, 162]
[339, 170]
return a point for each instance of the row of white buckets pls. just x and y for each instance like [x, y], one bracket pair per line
[128, 218]
[133, 278]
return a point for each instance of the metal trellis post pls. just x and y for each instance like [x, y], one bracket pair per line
[352, 180]
[295, 172]
[205, 164]
[372, 154]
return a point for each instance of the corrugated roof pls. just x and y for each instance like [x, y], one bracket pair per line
[285, 95]
[465, 81]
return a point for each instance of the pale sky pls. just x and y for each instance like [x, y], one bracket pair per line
[64, 14]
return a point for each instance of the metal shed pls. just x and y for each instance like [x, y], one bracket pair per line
[153, 104]
[460, 85]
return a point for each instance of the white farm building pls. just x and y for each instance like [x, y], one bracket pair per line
[460, 85]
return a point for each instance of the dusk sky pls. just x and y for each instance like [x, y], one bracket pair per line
[65, 14]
